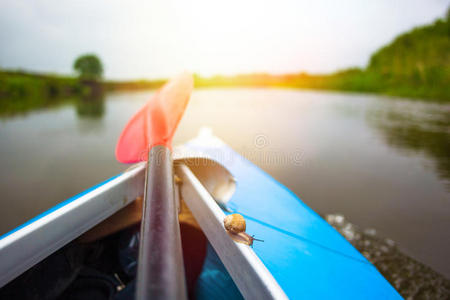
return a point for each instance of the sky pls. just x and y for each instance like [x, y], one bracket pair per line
[157, 39]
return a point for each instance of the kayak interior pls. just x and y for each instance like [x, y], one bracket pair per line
[106, 269]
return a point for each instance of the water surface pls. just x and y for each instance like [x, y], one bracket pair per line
[382, 162]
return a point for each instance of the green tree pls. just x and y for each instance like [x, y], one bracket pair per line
[88, 66]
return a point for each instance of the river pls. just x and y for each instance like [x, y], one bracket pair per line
[382, 162]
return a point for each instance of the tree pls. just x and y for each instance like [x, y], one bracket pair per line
[88, 67]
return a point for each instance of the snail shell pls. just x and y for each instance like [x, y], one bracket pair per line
[234, 223]
[235, 226]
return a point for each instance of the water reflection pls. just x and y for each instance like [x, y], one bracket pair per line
[90, 107]
[23, 106]
[412, 128]
[86, 107]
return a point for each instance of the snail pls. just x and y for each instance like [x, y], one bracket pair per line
[235, 227]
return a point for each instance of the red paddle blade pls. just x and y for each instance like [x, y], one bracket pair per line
[155, 123]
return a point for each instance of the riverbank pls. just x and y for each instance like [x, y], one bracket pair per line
[351, 80]
[21, 84]
[22, 91]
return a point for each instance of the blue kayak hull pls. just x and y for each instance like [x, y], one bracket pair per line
[308, 258]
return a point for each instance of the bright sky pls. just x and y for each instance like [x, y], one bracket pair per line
[151, 39]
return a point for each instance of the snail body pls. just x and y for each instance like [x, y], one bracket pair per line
[235, 227]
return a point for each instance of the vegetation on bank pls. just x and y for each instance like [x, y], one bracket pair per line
[20, 91]
[416, 64]
[23, 91]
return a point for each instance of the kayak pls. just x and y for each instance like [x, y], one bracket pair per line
[299, 254]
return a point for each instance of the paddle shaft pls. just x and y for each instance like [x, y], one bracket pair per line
[160, 265]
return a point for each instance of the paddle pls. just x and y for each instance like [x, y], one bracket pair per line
[148, 134]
